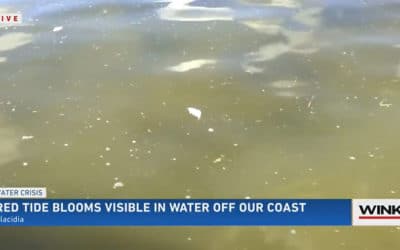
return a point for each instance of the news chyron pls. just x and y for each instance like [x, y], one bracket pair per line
[23, 193]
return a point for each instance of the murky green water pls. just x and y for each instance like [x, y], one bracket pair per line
[297, 99]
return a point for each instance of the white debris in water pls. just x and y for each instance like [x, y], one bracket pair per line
[118, 184]
[247, 197]
[194, 112]
[190, 65]
[58, 28]
[310, 102]
[293, 231]
[189, 238]
[217, 160]
[235, 144]
[188, 197]
[133, 141]
[108, 164]
[385, 105]
[108, 149]
[352, 158]
[25, 164]
[211, 130]
[66, 144]
[27, 137]
[337, 126]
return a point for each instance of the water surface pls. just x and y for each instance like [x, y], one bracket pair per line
[297, 99]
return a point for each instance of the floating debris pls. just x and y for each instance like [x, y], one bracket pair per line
[353, 158]
[385, 105]
[108, 149]
[27, 137]
[25, 164]
[211, 130]
[190, 65]
[310, 102]
[217, 160]
[194, 112]
[118, 184]
[58, 28]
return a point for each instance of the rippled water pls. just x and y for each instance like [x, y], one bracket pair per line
[297, 99]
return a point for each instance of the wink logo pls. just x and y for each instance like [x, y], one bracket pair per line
[380, 212]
